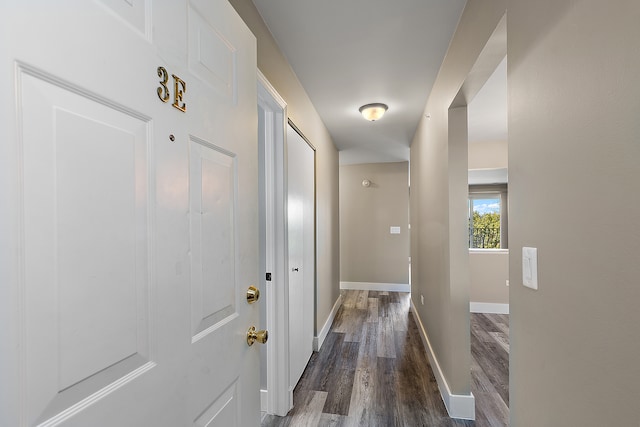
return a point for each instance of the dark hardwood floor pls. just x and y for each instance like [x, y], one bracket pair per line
[490, 368]
[372, 370]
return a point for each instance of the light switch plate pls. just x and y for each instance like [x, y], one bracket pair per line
[530, 267]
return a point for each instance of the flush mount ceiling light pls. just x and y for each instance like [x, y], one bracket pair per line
[373, 112]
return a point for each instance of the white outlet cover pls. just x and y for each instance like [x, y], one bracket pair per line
[394, 230]
[530, 267]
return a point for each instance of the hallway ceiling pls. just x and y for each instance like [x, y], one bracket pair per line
[351, 53]
[487, 111]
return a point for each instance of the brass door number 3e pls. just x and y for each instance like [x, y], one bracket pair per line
[179, 88]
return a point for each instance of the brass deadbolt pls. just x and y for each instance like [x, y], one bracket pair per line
[253, 336]
[253, 294]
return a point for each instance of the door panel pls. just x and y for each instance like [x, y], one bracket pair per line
[212, 56]
[213, 236]
[223, 412]
[130, 232]
[85, 210]
[222, 130]
[134, 13]
[301, 222]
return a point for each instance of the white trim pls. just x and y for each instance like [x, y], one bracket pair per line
[271, 90]
[319, 340]
[458, 405]
[488, 307]
[489, 251]
[264, 398]
[368, 286]
[279, 398]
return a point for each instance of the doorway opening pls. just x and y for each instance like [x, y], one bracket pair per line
[479, 117]
[275, 396]
[488, 246]
[287, 250]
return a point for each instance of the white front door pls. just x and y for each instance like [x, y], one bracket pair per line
[129, 227]
[301, 223]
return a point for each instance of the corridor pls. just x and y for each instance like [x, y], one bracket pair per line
[373, 371]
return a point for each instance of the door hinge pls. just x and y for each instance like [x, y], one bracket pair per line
[268, 277]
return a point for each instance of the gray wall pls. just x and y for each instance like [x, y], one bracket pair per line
[368, 252]
[439, 247]
[489, 271]
[301, 111]
[488, 155]
[574, 162]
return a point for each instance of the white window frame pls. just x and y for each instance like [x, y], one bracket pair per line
[492, 191]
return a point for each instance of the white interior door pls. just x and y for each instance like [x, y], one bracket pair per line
[301, 224]
[129, 226]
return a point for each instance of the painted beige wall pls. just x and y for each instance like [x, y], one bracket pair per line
[574, 161]
[440, 262]
[489, 271]
[368, 252]
[488, 155]
[303, 114]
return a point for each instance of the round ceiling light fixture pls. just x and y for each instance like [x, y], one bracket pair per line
[373, 112]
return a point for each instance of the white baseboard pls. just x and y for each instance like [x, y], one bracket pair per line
[368, 286]
[458, 405]
[488, 307]
[319, 340]
[263, 400]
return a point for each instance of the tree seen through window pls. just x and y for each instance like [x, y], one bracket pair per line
[484, 222]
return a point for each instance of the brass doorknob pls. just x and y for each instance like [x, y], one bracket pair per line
[253, 336]
[253, 294]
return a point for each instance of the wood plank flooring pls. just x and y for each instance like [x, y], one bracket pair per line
[372, 370]
[490, 368]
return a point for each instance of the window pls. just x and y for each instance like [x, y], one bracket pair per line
[487, 217]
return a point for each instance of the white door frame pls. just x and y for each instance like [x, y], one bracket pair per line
[278, 398]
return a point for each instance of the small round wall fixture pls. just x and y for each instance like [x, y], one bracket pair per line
[373, 112]
[366, 183]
